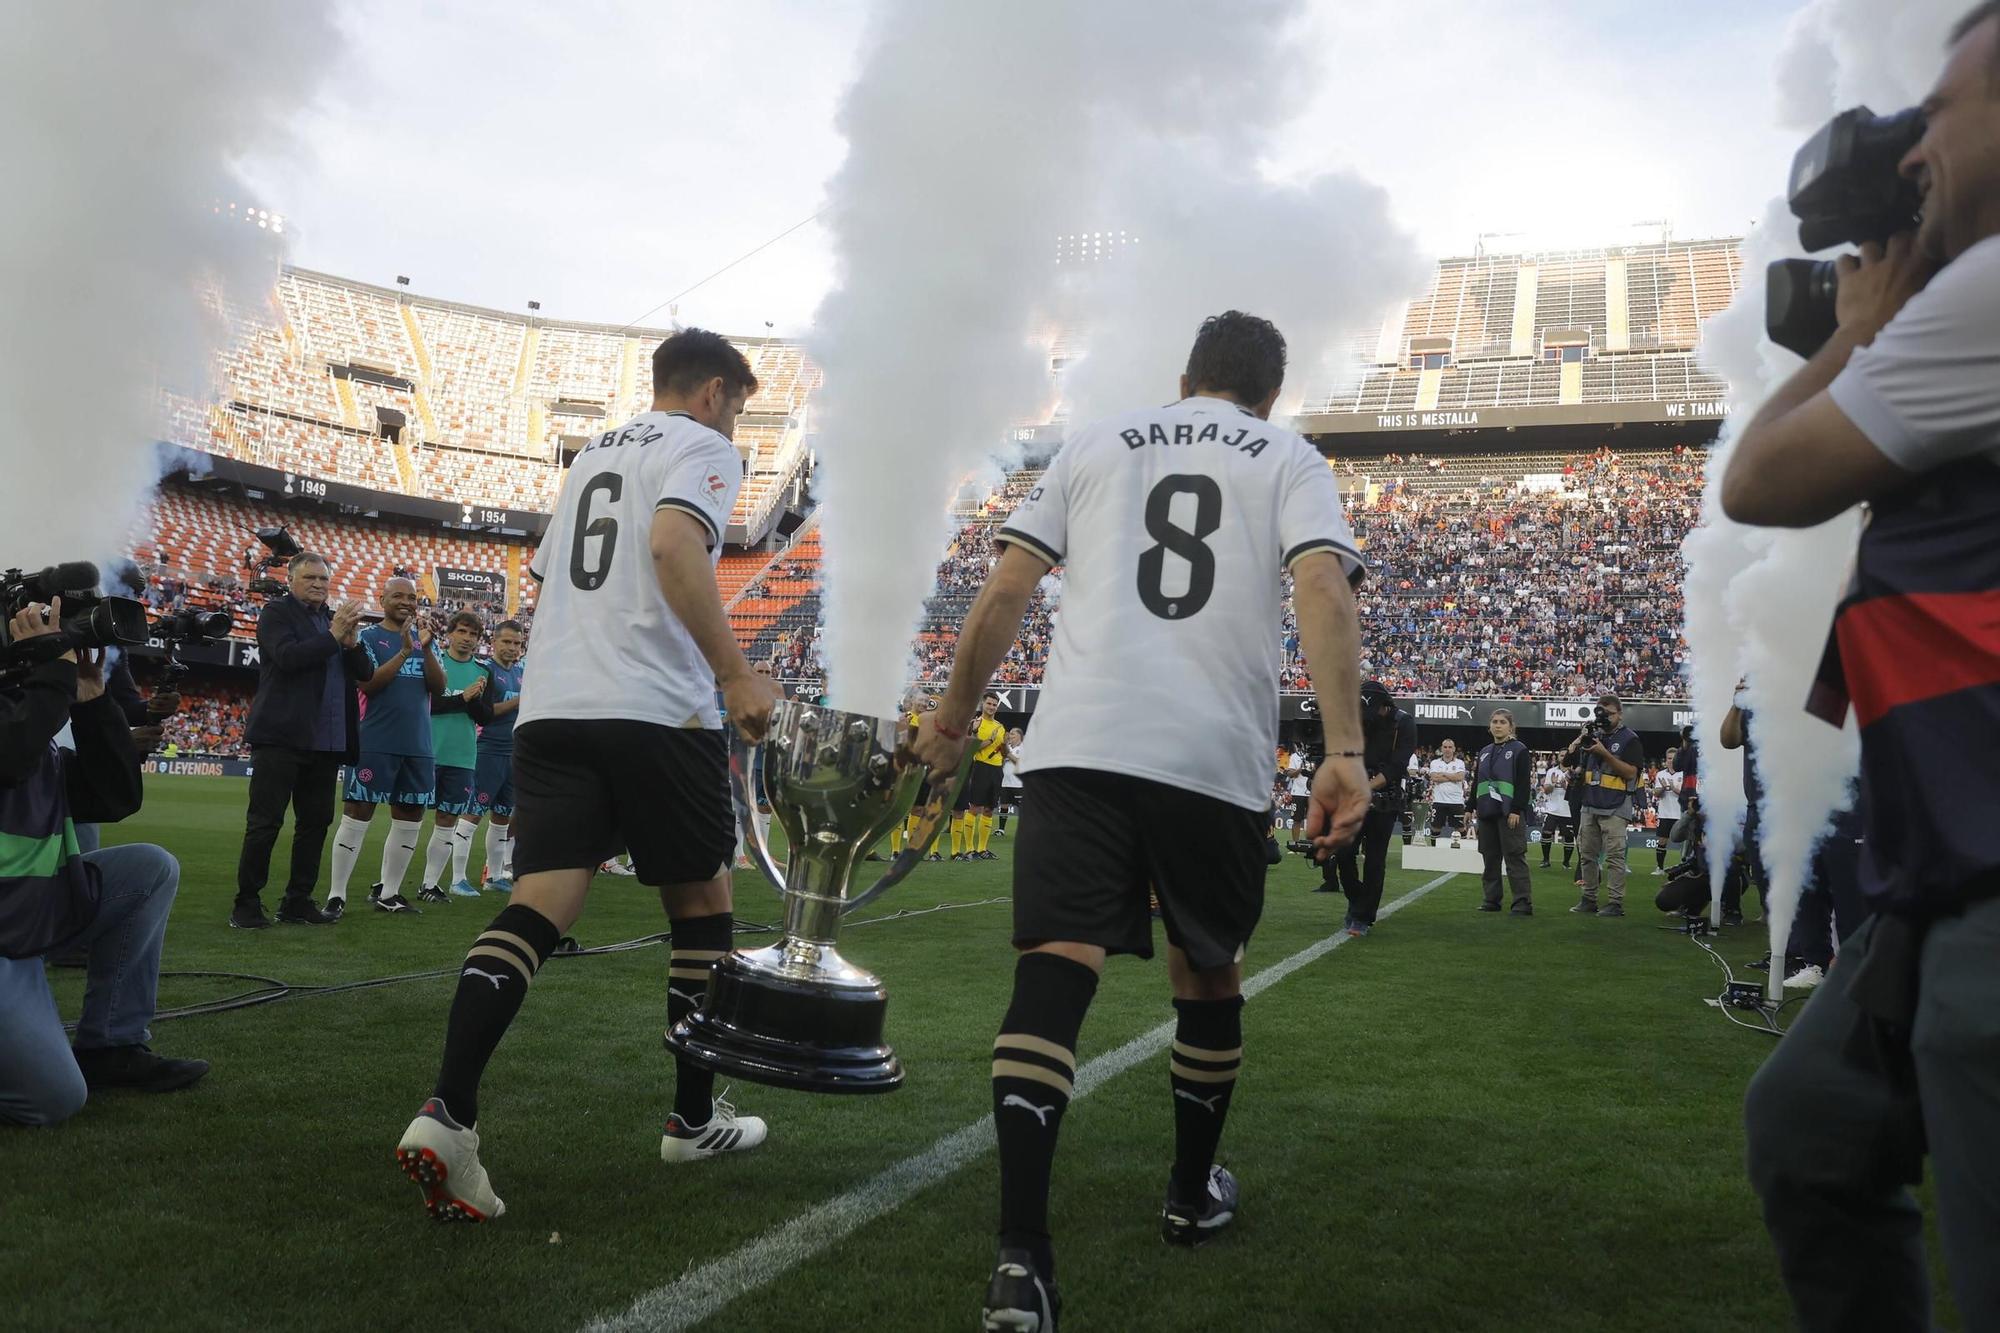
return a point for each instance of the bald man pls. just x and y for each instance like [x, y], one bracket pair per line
[395, 765]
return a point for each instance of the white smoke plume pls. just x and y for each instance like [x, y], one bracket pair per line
[977, 135]
[125, 123]
[1760, 603]
[1319, 258]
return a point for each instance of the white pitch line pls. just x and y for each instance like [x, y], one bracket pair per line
[703, 1291]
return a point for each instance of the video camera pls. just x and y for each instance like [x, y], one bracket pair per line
[89, 619]
[1845, 188]
[1599, 725]
[186, 627]
[282, 547]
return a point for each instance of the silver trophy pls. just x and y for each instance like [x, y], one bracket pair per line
[796, 1014]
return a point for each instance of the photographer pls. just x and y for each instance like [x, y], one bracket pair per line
[303, 725]
[1503, 777]
[1895, 1056]
[1389, 738]
[113, 902]
[1611, 757]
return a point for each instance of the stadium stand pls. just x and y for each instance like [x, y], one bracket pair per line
[1530, 575]
[473, 368]
[211, 721]
[196, 550]
[404, 394]
[1493, 328]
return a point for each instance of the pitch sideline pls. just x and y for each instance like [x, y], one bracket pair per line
[703, 1291]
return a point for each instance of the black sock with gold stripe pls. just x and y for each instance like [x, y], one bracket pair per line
[1034, 1069]
[699, 942]
[491, 985]
[1207, 1052]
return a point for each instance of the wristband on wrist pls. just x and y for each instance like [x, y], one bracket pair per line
[1345, 754]
[946, 732]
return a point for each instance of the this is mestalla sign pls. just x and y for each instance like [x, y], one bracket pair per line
[1502, 418]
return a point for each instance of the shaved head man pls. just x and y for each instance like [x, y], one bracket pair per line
[395, 766]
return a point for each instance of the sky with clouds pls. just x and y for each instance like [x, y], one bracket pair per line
[604, 155]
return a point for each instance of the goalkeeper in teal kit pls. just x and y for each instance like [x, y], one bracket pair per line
[455, 718]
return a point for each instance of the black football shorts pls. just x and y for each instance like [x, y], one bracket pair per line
[982, 787]
[585, 787]
[1099, 841]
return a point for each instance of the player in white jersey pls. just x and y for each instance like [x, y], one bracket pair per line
[1667, 803]
[1447, 779]
[1174, 526]
[1558, 821]
[618, 742]
[1010, 782]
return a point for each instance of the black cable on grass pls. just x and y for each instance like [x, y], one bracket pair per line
[1768, 1013]
[271, 989]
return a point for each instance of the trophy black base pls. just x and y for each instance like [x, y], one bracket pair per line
[811, 1034]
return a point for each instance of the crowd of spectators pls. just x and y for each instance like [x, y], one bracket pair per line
[166, 593]
[210, 722]
[1499, 588]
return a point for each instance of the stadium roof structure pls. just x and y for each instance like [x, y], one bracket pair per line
[1570, 341]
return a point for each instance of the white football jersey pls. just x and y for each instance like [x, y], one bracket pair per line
[1174, 526]
[606, 643]
[1555, 791]
[1010, 767]
[1451, 790]
[1667, 794]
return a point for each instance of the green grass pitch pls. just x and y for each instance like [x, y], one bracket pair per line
[1463, 1121]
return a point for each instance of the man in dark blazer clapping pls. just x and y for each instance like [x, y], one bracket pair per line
[303, 725]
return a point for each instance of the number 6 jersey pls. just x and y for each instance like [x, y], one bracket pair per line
[1174, 526]
[606, 643]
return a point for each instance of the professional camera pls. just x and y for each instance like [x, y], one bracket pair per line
[182, 629]
[1599, 725]
[193, 626]
[282, 547]
[1844, 189]
[89, 620]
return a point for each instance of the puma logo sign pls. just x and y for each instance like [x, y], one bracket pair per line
[1041, 1113]
[689, 996]
[1207, 1103]
[344, 847]
[494, 977]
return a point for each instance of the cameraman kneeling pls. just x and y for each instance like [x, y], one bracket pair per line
[113, 902]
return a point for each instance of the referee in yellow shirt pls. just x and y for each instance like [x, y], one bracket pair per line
[972, 822]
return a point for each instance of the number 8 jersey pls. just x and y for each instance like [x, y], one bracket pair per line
[606, 643]
[1174, 526]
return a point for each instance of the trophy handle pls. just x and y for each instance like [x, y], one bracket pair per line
[932, 808]
[745, 790]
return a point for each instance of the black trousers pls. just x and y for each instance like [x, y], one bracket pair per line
[1832, 906]
[1503, 847]
[1363, 884]
[304, 780]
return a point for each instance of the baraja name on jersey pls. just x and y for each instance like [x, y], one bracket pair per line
[1184, 432]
